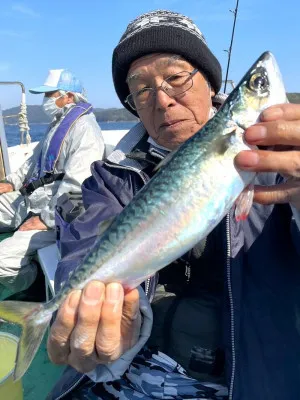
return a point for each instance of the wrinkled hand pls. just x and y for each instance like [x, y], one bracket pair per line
[279, 127]
[95, 326]
[33, 223]
[6, 187]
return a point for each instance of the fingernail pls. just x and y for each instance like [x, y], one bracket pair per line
[113, 292]
[247, 159]
[73, 299]
[92, 293]
[271, 114]
[256, 133]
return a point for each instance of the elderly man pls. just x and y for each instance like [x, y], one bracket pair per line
[226, 315]
[59, 165]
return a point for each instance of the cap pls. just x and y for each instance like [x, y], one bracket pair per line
[59, 79]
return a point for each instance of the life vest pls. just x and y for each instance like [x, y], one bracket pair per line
[46, 174]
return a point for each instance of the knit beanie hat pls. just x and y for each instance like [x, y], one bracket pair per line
[162, 32]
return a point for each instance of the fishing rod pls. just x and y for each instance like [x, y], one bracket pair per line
[235, 11]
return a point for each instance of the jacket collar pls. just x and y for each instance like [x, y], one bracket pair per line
[129, 142]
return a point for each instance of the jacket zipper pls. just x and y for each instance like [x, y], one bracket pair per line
[140, 174]
[147, 286]
[228, 267]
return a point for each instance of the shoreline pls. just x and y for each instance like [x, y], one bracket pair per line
[106, 122]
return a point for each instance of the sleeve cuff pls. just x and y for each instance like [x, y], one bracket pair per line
[296, 216]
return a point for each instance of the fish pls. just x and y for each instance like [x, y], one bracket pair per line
[191, 192]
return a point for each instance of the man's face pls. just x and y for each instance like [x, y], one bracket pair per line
[170, 121]
[61, 100]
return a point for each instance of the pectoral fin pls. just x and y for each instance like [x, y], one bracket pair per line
[243, 203]
[222, 143]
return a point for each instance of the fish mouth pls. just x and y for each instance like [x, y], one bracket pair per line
[267, 55]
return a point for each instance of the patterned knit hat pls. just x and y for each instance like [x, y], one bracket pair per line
[162, 32]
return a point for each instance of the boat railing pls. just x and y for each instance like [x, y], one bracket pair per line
[229, 82]
[22, 115]
[23, 126]
[4, 159]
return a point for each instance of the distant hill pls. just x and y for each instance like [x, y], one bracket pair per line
[36, 115]
[114, 114]
[294, 97]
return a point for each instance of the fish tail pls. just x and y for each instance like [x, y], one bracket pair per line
[34, 320]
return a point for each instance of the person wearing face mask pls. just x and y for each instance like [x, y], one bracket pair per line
[59, 164]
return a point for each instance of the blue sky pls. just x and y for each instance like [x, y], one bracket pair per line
[37, 35]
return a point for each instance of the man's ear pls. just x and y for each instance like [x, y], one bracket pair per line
[71, 98]
[212, 93]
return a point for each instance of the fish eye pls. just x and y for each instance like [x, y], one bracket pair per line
[259, 82]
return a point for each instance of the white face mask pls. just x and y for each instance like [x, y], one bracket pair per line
[50, 107]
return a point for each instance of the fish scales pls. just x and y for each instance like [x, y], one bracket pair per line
[198, 155]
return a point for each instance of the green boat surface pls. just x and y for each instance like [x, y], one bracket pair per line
[42, 374]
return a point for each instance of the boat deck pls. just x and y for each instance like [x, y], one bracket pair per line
[42, 374]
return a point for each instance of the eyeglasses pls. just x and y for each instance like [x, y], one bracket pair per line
[173, 86]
